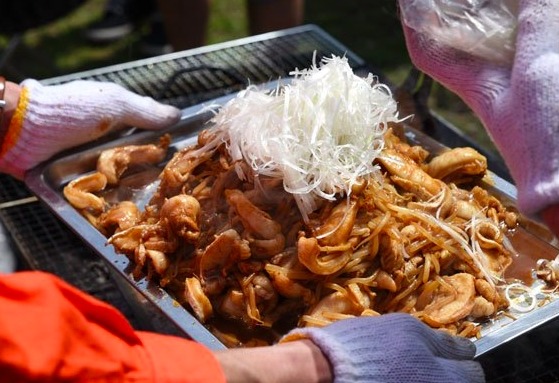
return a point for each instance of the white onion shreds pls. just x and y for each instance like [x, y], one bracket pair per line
[521, 298]
[454, 234]
[320, 133]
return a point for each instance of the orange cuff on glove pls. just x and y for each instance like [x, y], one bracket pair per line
[16, 123]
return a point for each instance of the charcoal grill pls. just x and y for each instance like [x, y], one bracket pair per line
[187, 78]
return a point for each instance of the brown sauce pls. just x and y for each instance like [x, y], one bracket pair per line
[530, 249]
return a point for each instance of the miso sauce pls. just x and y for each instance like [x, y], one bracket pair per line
[530, 249]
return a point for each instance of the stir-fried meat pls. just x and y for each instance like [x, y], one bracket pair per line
[114, 162]
[234, 248]
[451, 301]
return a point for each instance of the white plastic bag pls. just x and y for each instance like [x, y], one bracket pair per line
[484, 28]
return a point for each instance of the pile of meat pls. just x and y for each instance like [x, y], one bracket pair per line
[417, 236]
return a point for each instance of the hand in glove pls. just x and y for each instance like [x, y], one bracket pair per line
[392, 348]
[508, 76]
[49, 119]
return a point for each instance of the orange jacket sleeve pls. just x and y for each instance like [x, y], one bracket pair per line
[50, 331]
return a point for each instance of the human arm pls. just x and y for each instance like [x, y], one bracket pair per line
[40, 121]
[50, 331]
[513, 90]
[300, 361]
[89, 341]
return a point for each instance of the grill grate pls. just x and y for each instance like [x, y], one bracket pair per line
[12, 189]
[195, 76]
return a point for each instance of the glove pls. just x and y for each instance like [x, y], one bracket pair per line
[392, 348]
[49, 119]
[514, 92]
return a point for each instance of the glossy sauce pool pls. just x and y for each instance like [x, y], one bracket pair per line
[530, 249]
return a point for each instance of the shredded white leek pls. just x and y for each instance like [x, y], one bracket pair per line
[319, 134]
[474, 251]
[521, 298]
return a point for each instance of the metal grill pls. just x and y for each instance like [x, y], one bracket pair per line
[185, 79]
[188, 78]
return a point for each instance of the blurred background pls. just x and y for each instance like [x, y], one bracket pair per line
[370, 29]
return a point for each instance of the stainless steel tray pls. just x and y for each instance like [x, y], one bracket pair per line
[48, 180]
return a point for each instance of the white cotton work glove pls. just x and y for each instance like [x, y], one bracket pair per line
[508, 75]
[393, 348]
[49, 119]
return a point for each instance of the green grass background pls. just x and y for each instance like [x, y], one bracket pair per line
[371, 29]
